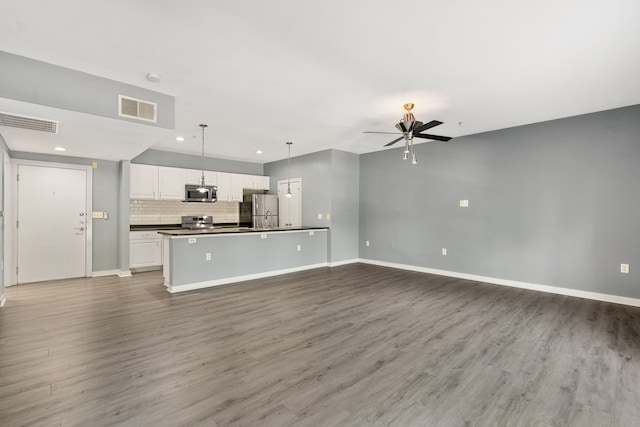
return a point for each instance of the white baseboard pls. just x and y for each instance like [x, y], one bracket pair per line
[347, 261]
[105, 273]
[229, 280]
[513, 283]
[126, 273]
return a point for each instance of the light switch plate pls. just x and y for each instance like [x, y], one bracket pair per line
[97, 215]
[192, 240]
[624, 268]
[464, 203]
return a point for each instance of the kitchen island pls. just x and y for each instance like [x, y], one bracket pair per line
[195, 259]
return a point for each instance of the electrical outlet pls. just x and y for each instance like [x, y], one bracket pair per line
[263, 235]
[444, 251]
[328, 217]
[105, 215]
[208, 256]
[311, 233]
[624, 268]
[464, 203]
[366, 243]
[192, 240]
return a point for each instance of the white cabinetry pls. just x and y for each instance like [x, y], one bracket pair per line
[164, 183]
[230, 187]
[143, 182]
[224, 187]
[171, 183]
[194, 176]
[236, 187]
[255, 182]
[145, 249]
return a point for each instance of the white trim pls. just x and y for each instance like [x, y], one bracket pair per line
[124, 273]
[129, 98]
[616, 299]
[105, 273]
[2, 300]
[15, 163]
[235, 279]
[346, 261]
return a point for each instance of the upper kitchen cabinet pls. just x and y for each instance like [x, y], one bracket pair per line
[229, 187]
[171, 183]
[194, 176]
[255, 182]
[144, 182]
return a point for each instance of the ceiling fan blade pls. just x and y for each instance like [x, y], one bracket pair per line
[434, 137]
[432, 123]
[394, 141]
[387, 133]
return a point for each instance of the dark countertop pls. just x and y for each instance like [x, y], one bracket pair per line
[236, 230]
[154, 227]
[158, 227]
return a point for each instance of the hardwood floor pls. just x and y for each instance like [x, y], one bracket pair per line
[355, 345]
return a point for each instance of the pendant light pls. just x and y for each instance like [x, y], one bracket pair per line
[202, 188]
[289, 179]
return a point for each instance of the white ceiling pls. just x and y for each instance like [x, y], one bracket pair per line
[261, 73]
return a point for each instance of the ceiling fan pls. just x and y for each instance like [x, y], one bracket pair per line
[411, 128]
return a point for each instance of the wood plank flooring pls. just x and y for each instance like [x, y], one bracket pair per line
[356, 345]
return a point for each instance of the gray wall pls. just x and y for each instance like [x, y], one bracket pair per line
[37, 82]
[315, 171]
[345, 197]
[105, 198]
[329, 186]
[189, 161]
[243, 254]
[552, 203]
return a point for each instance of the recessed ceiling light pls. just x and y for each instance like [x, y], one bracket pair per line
[60, 149]
[180, 138]
[258, 151]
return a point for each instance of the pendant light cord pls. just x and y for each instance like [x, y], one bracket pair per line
[202, 186]
[289, 167]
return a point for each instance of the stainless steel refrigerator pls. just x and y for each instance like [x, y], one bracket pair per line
[264, 210]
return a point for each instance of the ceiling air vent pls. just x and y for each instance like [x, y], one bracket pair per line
[30, 123]
[137, 109]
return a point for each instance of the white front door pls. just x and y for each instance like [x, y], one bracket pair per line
[52, 220]
[290, 208]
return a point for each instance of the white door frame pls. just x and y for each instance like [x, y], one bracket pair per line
[14, 211]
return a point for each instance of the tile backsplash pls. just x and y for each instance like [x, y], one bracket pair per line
[146, 212]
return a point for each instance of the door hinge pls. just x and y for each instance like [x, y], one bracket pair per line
[17, 223]
[16, 270]
[17, 177]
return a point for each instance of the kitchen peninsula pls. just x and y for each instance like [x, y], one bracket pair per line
[195, 259]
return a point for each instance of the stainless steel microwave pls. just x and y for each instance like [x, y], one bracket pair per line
[195, 193]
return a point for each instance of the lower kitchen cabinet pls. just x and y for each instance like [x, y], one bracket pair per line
[145, 249]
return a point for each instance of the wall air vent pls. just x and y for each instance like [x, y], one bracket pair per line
[137, 109]
[30, 123]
